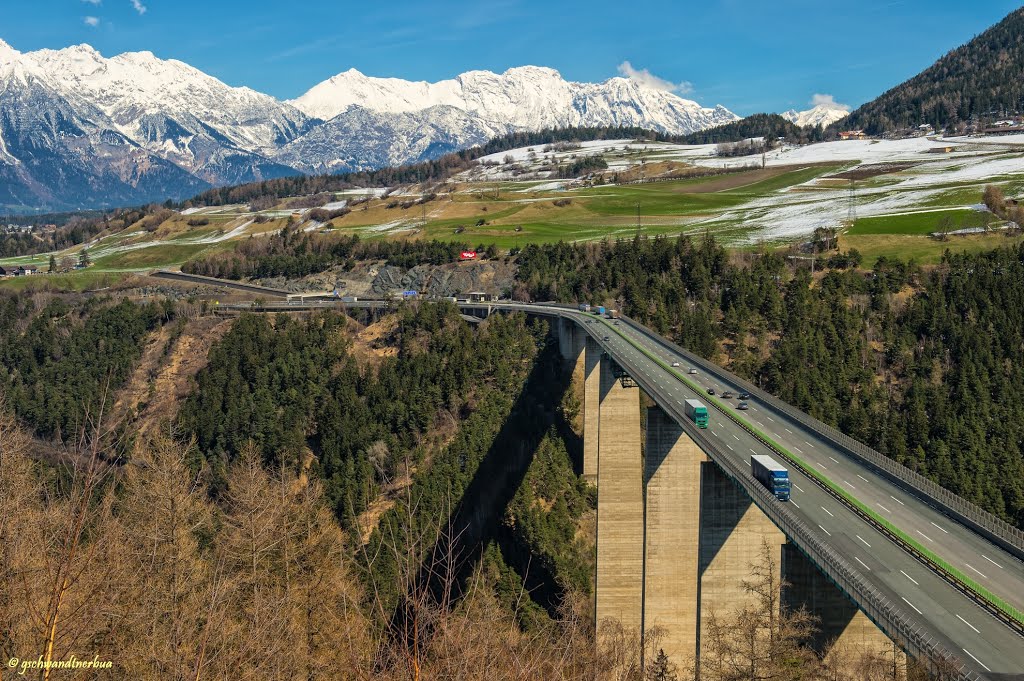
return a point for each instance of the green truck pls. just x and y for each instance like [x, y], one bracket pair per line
[697, 412]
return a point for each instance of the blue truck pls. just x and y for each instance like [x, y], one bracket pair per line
[771, 474]
[697, 412]
[598, 310]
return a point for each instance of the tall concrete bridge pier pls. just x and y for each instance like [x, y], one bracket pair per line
[676, 537]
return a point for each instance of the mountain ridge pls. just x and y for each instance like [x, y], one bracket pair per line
[80, 130]
[979, 79]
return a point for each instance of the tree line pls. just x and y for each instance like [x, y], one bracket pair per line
[922, 365]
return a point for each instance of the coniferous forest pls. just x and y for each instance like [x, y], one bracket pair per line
[924, 366]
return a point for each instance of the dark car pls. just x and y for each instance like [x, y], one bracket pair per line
[727, 394]
[606, 337]
[711, 391]
[742, 406]
[744, 396]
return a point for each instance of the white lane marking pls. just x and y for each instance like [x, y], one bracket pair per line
[834, 459]
[730, 447]
[777, 436]
[925, 536]
[737, 439]
[941, 528]
[798, 449]
[862, 477]
[825, 531]
[794, 503]
[884, 508]
[850, 484]
[827, 511]
[862, 539]
[862, 563]
[752, 451]
[968, 624]
[910, 578]
[798, 487]
[992, 561]
[976, 570]
[808, 443]
[976, 659]
[787, 430]
[896, 500]
[823, 466]
[769, 418]
[912, 605]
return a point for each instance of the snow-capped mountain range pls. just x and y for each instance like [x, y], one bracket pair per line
[822, 115]
[80, 130]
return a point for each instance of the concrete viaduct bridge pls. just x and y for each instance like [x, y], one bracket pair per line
[880, 554]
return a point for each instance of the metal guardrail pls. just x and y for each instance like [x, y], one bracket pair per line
[995, 529]
[894, 621]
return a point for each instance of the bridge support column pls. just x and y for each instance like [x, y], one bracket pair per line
[843, 629]
[591, 360]
[620, 506]
[672, 477]
[734, 534]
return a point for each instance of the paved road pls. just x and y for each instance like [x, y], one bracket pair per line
[983, 643]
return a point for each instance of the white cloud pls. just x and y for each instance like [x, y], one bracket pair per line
[93, 2]
[828, 102]
[91, 21]
[645, 77]
[139, 7]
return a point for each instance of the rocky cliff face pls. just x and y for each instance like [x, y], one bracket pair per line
[451, 279]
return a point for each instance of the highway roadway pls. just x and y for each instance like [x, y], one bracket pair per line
[954, 620]
[984, 644]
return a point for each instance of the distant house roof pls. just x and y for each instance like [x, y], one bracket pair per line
[29, 268]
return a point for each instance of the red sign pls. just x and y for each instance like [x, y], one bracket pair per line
[468, 255]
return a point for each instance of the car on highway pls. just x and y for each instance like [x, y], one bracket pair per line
[711, 391]
[744, 396]
[606, 337]
[727, 394]
[692, 372]
[675, 364]
[616, 323]
[742, 406]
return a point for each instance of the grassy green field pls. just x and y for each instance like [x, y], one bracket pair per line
[157, 255]
[925, 250]
[923, 223]
[79, 280]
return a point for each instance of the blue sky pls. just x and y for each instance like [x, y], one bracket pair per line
[746, 54]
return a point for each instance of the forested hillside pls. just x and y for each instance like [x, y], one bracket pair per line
[978, 80]
[923, 366]
[62, 364]
[769, 126]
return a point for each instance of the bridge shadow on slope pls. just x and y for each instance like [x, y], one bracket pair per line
[476, 518]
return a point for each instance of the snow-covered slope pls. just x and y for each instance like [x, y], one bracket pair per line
[822, 115]
[78, 129]
[362, 138]
[527, 97]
